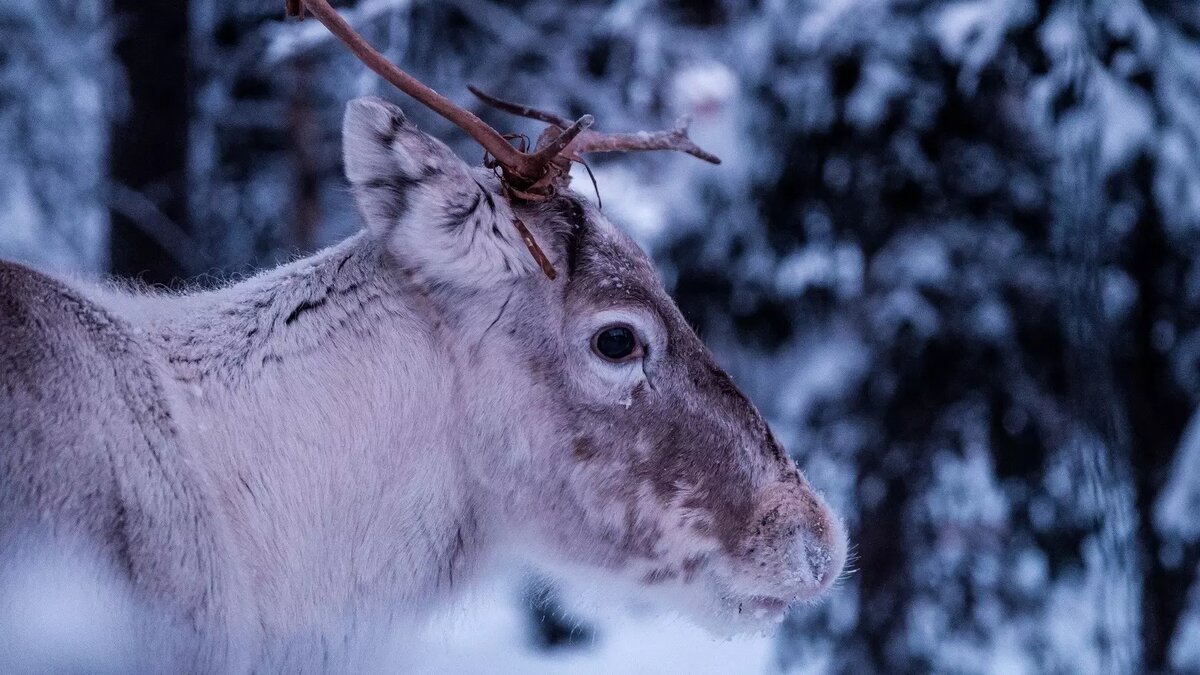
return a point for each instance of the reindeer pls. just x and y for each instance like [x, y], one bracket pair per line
[278, 470]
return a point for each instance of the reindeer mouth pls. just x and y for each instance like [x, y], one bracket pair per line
[756, 609]
[764, 608]
[753, 607]
[761, 602]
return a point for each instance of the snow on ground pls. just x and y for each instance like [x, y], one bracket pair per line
[491, 636]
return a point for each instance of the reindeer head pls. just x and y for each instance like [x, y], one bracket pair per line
[601, 430]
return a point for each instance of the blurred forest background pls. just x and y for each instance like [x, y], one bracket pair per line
[951, 253]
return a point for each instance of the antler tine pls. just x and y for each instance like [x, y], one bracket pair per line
[594, 141]
[675, 139]
[550, 146]
[558, 145]
[520, 110]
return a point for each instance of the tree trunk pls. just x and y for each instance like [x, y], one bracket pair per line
[149, 144]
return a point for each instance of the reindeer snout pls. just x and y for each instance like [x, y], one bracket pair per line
[815, 556]
[797, 545]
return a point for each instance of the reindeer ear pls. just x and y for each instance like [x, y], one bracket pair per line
[432, 210]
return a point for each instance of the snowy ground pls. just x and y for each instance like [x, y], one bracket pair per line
[491, 637]
[56, 617]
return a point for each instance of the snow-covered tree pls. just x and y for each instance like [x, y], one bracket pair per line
[57, 90]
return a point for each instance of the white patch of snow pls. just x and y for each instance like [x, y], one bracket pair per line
[1177, 506]
[58, 615]
[491, 637]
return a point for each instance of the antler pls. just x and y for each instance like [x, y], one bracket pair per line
[533, 173]
[527, 175]
[593, 141]
[525, 171]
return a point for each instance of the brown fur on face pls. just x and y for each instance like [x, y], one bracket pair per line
[672, 472]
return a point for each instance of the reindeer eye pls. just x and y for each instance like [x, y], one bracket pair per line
[615, 343]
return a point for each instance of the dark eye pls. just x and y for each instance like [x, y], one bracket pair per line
[615, 343]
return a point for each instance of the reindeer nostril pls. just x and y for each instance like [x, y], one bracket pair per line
[812, 557]
[819, 561]
[817, 551]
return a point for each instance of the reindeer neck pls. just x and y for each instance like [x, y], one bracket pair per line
[326, 407]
